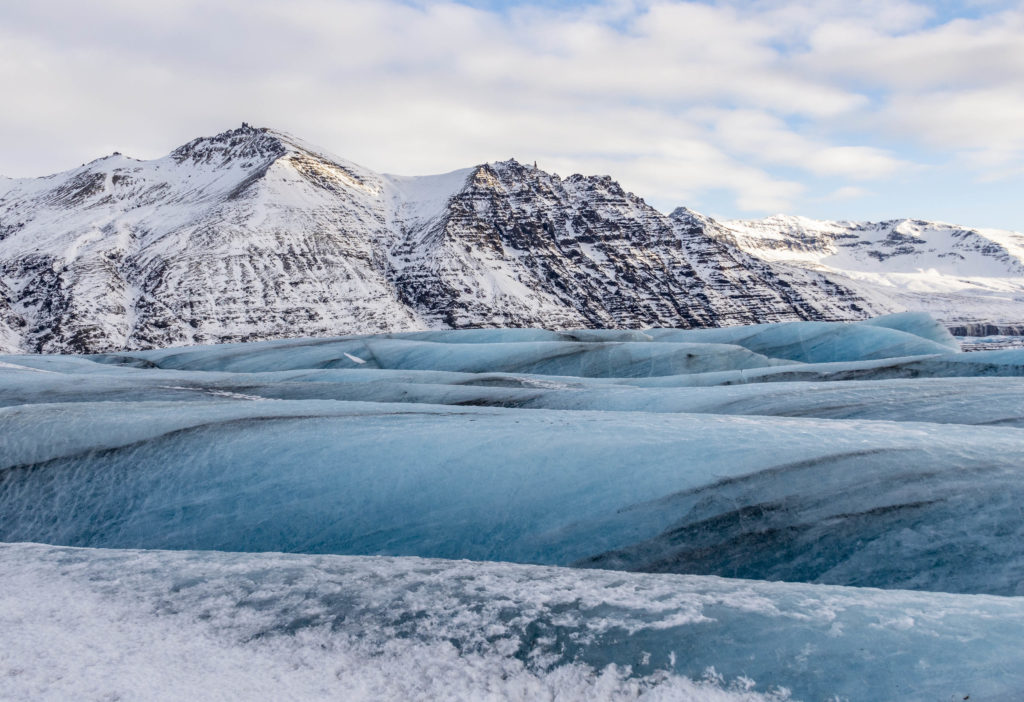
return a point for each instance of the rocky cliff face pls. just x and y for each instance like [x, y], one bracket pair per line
[253, 234]
[516, 246]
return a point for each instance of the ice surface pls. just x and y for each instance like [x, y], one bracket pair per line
[918, 324]
[910, 505]
[822, 342]
[948, 400]
[584, 359]
[102, 624]
[751, 453]
[580, 359]
[589, 352]
[496, 336]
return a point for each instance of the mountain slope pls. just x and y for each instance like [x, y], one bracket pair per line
[254, 234]
[970, 278]
[239, 236]
[520, 247]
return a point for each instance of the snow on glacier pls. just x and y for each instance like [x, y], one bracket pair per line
[106, 624]
[872, 455]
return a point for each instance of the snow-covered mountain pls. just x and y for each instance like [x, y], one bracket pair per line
[253, 234]
[973, 279]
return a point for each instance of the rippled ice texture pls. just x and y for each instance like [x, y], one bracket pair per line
[872, 454]
[100, 624]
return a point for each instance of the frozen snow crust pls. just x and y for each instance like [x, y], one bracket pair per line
[871, 454]
[107, 624]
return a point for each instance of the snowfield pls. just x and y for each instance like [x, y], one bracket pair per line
[785, 511]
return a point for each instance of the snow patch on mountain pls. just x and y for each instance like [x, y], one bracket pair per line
[961, 275]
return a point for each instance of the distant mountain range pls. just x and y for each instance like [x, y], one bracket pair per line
[254, 234]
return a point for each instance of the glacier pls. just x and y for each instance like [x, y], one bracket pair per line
[780, 511]
[103, 624]
[887, 504]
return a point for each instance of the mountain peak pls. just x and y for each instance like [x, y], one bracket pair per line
[510, 166]
[254, 233]
[691, 218]
[245, 143]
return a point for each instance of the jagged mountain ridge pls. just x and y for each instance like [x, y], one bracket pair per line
[254, 234]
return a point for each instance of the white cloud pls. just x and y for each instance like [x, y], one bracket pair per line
[986, 126]
[847, 192]
[959, 54]
[759, 99]
[681, 171]
[766, 139]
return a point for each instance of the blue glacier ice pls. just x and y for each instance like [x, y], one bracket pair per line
[916, 323]
[907, 334]
[889, 504]
[590, 352]
[707, 463]
[611, 359]
[889, 472]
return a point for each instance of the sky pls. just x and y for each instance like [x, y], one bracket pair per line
[874, 109]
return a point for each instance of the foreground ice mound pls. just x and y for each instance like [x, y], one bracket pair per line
[102, 624]
[889, 504]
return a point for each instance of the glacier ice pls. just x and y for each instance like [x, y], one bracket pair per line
[535, 486]
[916, 323]
[105, 624]
[871, 455]
[952, 400]
[588, 352]
[843, 477]
[822, 342]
